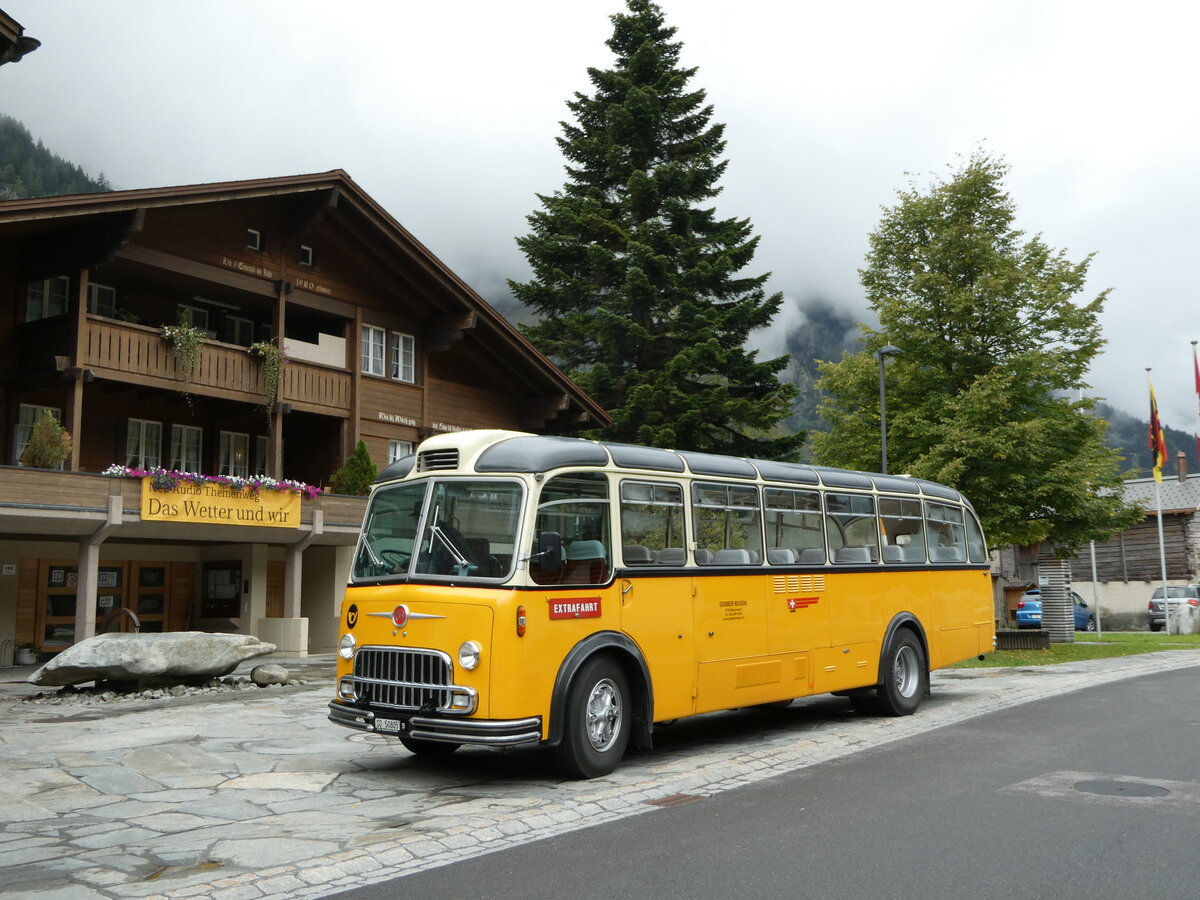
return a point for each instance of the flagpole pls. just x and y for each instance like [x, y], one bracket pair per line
[1159, 453]
[1196, 373]
[1162, 558]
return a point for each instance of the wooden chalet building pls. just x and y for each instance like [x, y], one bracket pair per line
[1129, 567]
[14, 42]
[383, 342]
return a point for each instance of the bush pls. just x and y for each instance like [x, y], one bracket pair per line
[49, 444]
[357, 474]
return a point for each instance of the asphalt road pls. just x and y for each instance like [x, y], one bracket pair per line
[1092, 794]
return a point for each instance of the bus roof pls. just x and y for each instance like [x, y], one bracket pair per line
[494, 451]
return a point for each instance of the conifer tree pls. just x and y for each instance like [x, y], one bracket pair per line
[636, 280]
[357, 474]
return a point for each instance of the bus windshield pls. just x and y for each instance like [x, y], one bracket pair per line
[445, 527]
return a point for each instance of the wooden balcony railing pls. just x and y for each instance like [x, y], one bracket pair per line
[49, 501]
[121, 351]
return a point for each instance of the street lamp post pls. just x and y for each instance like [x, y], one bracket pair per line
[883, 353]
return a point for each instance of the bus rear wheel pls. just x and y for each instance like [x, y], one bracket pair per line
[905, 677]
[596, 729]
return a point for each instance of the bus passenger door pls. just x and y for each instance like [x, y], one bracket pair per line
[733, 667]
[656, 612]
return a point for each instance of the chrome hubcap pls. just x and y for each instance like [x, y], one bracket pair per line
[603, 715]
[906, 672]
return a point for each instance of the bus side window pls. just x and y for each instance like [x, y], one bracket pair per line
[976, 548]
[652, 523]
[575, 505]
[727, 524]
[947, 538]
[902, 528]
[850, 525]
[793, 524]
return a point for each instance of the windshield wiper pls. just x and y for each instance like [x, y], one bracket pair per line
[375, 560]
[435, 530]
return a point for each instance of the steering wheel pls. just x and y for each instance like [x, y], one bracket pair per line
[398, 559]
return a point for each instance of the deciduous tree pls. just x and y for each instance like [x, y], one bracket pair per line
[996, 347]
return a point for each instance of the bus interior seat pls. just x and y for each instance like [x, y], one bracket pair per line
[703, 557]
[672, 556]
[585, 563]
[812, 556]
[853, 555]
[636, 555]
[946, 554]
[893, 553]
[781, 556]
[732, 556]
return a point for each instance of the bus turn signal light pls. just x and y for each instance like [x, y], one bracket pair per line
[520, 621]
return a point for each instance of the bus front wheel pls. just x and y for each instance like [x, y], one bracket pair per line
[596, 729]
[905, 676]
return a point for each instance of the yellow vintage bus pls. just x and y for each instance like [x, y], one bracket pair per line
[510, 589]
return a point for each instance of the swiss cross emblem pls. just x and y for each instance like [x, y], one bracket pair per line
[795, 603]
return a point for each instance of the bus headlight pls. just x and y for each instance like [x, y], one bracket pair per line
[468, 655]
[346, 647]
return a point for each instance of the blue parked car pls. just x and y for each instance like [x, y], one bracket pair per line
[1029, 611]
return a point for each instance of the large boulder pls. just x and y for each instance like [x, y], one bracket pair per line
[151, 659]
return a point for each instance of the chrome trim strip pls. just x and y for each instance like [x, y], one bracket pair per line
[482, 726]
[411, 615]
[486, 731]
[490, 732]
[496, 740]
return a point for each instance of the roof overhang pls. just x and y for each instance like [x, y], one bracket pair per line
[332, 193]
[14, 43]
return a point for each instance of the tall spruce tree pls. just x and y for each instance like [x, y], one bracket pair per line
[995, 347]
[635, 280]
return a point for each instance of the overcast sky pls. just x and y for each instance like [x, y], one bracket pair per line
[447, 113]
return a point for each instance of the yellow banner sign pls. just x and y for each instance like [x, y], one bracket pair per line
[219, 504]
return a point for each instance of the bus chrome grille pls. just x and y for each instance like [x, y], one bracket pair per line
[403, 678]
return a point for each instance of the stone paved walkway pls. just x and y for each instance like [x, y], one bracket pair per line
[257, 795]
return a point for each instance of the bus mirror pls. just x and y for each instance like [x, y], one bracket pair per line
[549, 551]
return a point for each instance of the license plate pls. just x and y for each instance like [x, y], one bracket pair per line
[392, 726]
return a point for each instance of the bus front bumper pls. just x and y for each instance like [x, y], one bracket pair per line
[488, 732]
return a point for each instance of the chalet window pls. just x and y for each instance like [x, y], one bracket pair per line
[196, 316]
[307, 255]
[143, 444]
[260, 455]
[239, 331]
[44, 299]
[404, 357]
[254, 239]
[102, 300]
[235, 454]
[186, 445]
[372, 349]
[26, 416]
[399, 450]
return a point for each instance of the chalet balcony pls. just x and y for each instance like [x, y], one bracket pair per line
[42, 503]
[121, 351]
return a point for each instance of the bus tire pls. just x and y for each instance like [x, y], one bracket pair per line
[428, 749]
[597, 724]
[905, 677]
